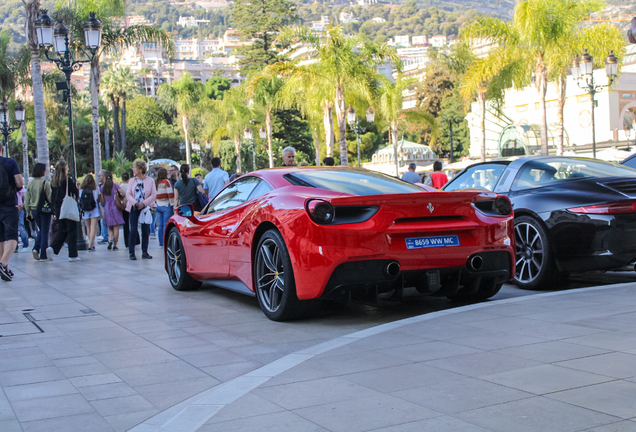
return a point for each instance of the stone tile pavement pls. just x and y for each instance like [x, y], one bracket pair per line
[106, 344]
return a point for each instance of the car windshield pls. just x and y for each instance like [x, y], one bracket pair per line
[483, 176]
[547, 172]
[352, 182]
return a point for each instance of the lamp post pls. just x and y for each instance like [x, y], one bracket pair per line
[57, 37]
[147, 150]
[583, 73]
[249, 135]
[5, 122]
[352, 119]
[197, 148]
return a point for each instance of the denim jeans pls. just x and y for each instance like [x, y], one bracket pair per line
[163, 214]
[42, 240]
[104, 232]
[22, 230]
[152, 225]
[134, 231]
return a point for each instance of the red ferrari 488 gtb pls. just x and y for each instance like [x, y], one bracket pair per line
[292, 235]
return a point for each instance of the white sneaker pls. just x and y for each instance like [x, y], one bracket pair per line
[24, 250]
[49, 253]
[74, 259]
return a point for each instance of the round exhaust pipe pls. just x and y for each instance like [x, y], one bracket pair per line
[392, 269]
[476, 263]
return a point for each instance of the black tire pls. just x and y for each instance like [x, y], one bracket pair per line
[535, 266]
[274, 281]
[487, 288]
[176, 264]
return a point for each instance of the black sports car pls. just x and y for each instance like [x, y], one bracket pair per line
[571, 214]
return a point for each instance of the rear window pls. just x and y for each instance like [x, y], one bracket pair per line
[352, 182]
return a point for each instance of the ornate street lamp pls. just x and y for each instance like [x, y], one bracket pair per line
[583, 73]
[5, 122]
[352, 119]
[262, 133]
[57, 37]
[249, 136]
[147, 150]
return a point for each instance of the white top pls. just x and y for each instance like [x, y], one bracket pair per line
[215, 181]
[95, 213]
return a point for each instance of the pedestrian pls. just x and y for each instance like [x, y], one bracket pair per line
[125, 178]
[216, 179]
[37, 204]
[185, 190]
[289, 154]
[328, 161]
[24, 235]
[199, 177]
[10, 182]
[173, 173]
[66, 230]
[103, 229]
[141, 195]
[165, 201]
[437, 179]
[411, 176]
[112, 215]
[89, 204]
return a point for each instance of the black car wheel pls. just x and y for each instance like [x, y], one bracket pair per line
[274, 279]
[534, 262]
[176, 264]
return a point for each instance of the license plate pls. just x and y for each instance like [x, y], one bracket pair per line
[431, 242]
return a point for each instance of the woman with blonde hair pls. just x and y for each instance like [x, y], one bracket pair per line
[66, 228]
[89, 197]
[141, 196]
[112, 215]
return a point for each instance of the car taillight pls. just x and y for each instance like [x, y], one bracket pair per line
[320, 211]
[610, 208]
[500, 206]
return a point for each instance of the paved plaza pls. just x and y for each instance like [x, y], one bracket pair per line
[106, 344]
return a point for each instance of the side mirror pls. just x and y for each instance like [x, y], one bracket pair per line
[186, 211]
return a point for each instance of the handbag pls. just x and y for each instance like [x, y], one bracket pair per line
[69, 208]
[44, 206]
[120, 200]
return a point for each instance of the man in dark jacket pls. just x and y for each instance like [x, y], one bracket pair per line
[11, 181]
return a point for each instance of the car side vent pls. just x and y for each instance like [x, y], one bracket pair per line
[626, 187]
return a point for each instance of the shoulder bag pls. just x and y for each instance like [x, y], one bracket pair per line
[44, 206]
[120, 200]
[69, 208]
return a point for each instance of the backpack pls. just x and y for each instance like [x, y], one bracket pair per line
[87, 201]
[7, 185]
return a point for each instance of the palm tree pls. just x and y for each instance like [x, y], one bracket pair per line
[233, 116]
[110, 86]
[128, 87]
[32, 10]
[114, 38]
[534, 38]
[182, 96]
[391, 108]
[343, 63]
[264, 90]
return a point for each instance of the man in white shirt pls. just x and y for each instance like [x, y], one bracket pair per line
[216, 179]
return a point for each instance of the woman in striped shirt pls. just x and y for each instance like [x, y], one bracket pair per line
[165, 201]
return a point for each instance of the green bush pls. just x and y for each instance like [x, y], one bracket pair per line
[199, 170]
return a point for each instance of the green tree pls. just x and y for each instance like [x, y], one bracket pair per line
[343, 63]
[181, 96]
[145, 120]
[264, 90]
[534, 41]
[259, 21]
[215, 87]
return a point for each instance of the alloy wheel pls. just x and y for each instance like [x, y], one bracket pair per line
[173, 258]
[530, 252]
[270, 275]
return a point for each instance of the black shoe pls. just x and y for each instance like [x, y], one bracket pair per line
[133, 257]
[4, 273]
[10, 272]
[145, 255]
